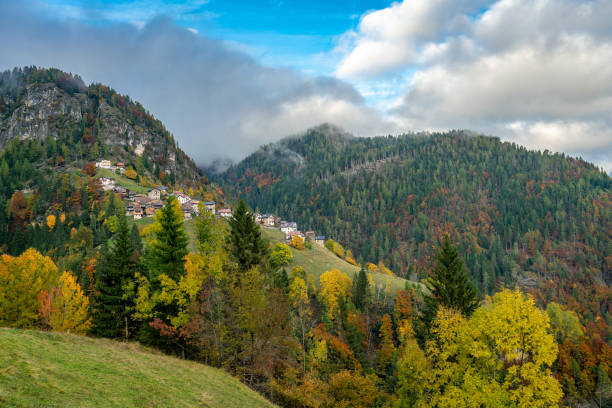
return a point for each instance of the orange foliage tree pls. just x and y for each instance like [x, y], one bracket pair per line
[65, 307]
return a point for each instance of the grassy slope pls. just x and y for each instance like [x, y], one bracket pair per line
[122, 180]
[319, 259]
[41, 369]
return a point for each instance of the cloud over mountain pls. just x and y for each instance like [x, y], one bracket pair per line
[535, 71]
[218, 101]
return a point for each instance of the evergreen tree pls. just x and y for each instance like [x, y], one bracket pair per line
[246, 245]
[136, 240]
[115, 272]
[449, 285]
[281, 280]
[168, 249]
[361, 288]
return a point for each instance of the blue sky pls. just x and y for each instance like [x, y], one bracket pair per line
[276, 32]
[228, 76]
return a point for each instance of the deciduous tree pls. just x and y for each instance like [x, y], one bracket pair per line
[65, 308]
[22, 279]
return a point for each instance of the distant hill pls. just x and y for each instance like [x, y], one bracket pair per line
[41, 369]
[538, 219]
[88, 123]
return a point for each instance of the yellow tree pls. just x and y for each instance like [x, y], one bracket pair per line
[297, 242]
[298, 295]
[65, 308]
[500, 357]
[335, 287]
[412, 369]
[22, 279]
[350, 389]
[386, 352]
[402, 313]
[131, 174]
[51, 222]
[518, 338]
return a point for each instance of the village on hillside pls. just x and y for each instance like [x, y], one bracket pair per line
[140, 205]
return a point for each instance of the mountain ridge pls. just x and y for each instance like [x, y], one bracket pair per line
[520, 216]
[93, 122]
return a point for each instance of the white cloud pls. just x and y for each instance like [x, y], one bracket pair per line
[388, 39]
[538, 72]
[215, 98]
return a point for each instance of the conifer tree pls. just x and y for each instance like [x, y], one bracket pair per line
[116, 270]
[449, 285]
[136, 240]
[168, 249]
[361, 289]
[246, 245]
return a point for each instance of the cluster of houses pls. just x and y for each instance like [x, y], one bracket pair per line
[106, 164]
[289, 228]
[146, 205]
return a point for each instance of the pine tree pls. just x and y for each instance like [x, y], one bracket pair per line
[361, 289]
[246, 245]
[449, 285]
[116, 269]
[168, 249]
[136, 240]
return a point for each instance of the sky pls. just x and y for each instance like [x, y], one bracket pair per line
[228, 76]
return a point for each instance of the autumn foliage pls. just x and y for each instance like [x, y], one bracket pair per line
[65, 307]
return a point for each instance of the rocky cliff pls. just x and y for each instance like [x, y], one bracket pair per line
[91, 122]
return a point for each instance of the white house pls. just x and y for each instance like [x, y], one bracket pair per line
[103, 164]
[154, 194]
[107, 183]
[210, 206]
[225, 212]
[288, 227]
[182, 198]
[268, 220]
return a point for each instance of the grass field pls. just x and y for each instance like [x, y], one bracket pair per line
[122, 180]
[319, 259]
[41, 369]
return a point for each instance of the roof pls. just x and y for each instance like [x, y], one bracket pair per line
[208, 203]
[320, 237]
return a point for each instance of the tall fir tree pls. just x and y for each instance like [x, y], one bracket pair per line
[115, 273]
[167, 251]
[246, 245]
[449, 285]
[136, 240]
[361, 289]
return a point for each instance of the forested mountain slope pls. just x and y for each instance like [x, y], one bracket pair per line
[538, 219]
[52, 129]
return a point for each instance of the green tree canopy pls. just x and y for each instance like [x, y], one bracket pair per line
[246, 245]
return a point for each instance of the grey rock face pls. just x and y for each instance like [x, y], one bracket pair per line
[42, 104]
[45, 109]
